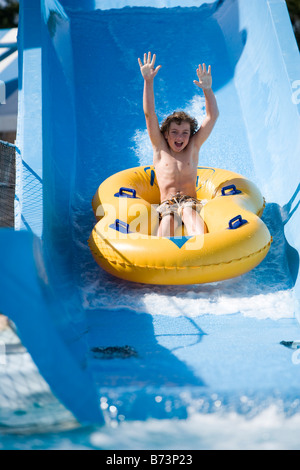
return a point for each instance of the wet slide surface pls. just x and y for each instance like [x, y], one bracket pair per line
[211, 341]
[158, 351]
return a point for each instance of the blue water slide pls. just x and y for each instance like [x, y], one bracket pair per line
[151, 351]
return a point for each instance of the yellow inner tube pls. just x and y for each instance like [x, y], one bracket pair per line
[125, 244]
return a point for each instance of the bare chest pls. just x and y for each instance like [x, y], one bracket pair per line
[176, 174]
[182, 165]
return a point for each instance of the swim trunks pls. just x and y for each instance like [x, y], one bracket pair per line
[177, 203]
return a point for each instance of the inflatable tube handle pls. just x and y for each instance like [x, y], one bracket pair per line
[120, 226]
[232, 189]
[123, 192]
[236, 222]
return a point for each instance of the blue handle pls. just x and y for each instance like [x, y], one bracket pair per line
[120, 226]
[152, 174]
[236, 222]
[123, 192]
[232, 189]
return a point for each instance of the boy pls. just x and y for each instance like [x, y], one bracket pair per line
[176, 147]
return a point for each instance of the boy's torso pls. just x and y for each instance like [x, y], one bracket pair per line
[176, 172]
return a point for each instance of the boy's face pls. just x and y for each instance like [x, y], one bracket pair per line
[178, 135]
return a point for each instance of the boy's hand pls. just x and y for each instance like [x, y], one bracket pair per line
[147, 70]
[204, 76]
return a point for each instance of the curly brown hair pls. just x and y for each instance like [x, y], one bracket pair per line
[178, 117]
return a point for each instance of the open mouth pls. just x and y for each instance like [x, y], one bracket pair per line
[178, 144]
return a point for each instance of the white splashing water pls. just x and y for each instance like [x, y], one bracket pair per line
[268, 430]
[142, 145]
[225, 298]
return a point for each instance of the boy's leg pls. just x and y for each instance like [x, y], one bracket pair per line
[193, 222]
[168, 225]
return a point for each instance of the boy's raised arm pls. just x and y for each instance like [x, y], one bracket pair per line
[149, 72]
[212, 111]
